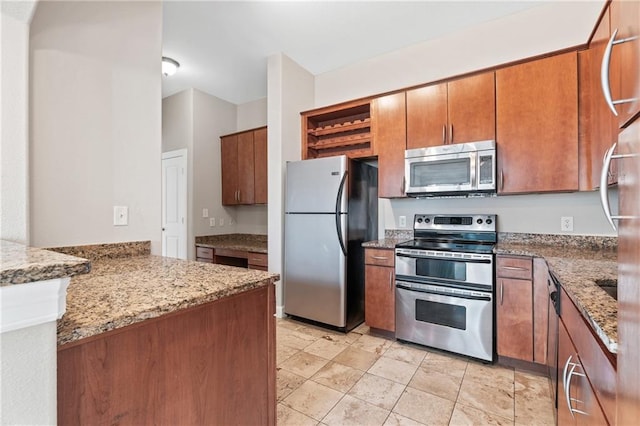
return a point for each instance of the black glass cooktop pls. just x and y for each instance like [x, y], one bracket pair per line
[449, 245]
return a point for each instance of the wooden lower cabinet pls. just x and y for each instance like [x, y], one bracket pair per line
[577, 402]
[379, 292]
[210, 364]
[514, 316]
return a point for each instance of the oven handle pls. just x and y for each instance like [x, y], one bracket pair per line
[442, 293]
[413, 256]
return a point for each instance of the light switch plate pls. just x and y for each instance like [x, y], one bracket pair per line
[205, 212]
[212, 221]
[120, 215]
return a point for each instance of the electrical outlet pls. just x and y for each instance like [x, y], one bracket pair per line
[212, 221]
[402, 221]
[566, 223]
[205, 212]
[222, 221]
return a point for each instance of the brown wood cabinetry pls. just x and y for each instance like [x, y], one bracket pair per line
[461, 110]
[598, 126]
[541, 285]
[628, 384]
[537, 125]
[514, 311]
[577, 402]
[380, 301]
[596, 361]
[258, 261]
[625, 59]
[336, 130]
[211, 364]
[260, 161]
[388, 116]
[204, 254]
[240, 154]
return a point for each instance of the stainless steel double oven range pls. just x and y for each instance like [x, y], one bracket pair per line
[445, 284]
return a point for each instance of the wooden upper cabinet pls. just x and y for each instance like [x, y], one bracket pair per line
[260, 165]
[459, 111]
[229, 169]
[388, 121]
[597, 125]
[537, 125]
[624, 69]
[246, 175]
[427, 116]
[244, 167]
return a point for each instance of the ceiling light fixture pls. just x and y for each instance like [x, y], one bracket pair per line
[169, 66]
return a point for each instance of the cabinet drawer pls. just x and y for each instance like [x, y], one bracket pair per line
[258, 259]
[380, 257]
[514, 267]
[241, 254]
[204, 253]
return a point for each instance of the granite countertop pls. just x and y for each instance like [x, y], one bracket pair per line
[20, 264]
[391, 238]
[245, 242]
[122, 290]
[577, 266]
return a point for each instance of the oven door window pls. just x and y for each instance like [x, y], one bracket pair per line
[452, 316]
[442, 269]
[452, 172]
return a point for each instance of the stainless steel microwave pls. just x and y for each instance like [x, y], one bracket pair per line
[457, 169]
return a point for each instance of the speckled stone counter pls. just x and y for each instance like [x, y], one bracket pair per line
[125, 290]
[391, 238]
[20, 264]
[245, 242]
[577, 262]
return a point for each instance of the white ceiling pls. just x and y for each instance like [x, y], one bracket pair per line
[223, 46]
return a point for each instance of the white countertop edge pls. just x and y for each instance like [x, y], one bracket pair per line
[26, 305]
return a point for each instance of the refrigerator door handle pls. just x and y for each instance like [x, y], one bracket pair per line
[338, 213]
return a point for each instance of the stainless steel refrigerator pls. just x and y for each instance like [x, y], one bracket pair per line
[331, 208]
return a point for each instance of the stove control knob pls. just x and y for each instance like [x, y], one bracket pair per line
[479, 221]
[427, 220]
[489, 221]
[419, 220]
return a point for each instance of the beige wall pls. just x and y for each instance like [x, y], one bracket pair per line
[489, 44]
[290, 90]
[95, 122]
[14, 119]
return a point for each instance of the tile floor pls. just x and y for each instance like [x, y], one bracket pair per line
[330, 378]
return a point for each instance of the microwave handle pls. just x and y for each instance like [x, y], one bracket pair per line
[475, 165]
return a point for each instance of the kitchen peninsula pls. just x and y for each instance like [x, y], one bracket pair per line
[148, 339]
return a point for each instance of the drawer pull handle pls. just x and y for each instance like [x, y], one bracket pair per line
[380, 257]
[514, 268]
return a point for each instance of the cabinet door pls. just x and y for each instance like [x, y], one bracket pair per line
[598, 127]
[260, 165]
[472, 108]
[390, 135]
[229, 169]
[427, 116]
[514, 317]
[246, 176]
[625, 68]
[537, 125]
[628, 389]
[379, 299]
[577, 402]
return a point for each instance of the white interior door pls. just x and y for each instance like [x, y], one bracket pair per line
[174, 204]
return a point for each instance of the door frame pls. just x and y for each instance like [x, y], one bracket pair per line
[183, 154]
